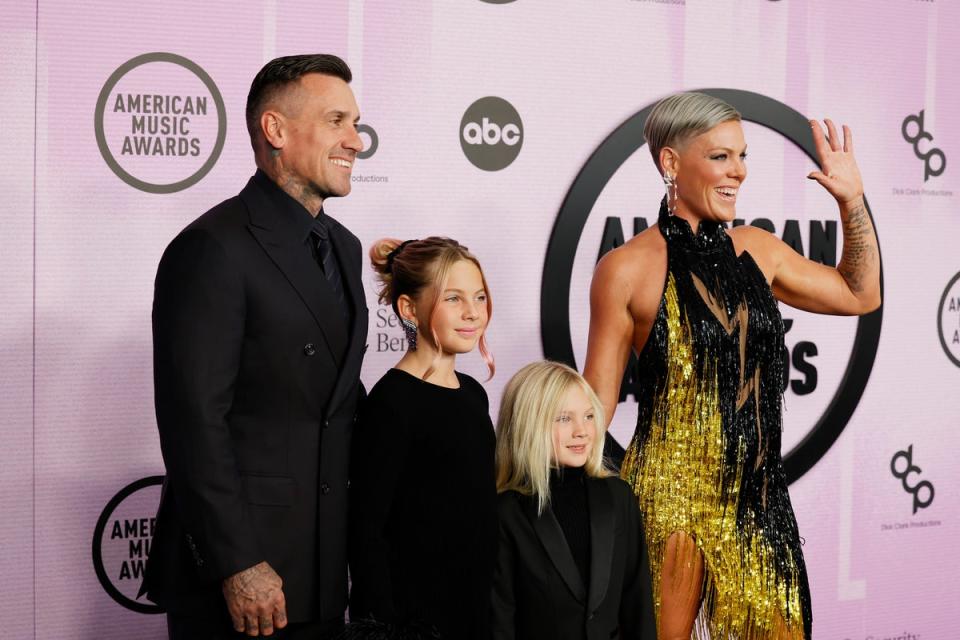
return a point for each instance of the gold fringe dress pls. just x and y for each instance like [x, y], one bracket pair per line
[705, 458]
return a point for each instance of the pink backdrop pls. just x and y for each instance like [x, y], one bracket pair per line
[81, 245]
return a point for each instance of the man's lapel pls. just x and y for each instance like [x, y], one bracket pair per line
[286, 251]
[345, 245]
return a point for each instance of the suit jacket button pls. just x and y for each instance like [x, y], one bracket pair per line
[309, 349]
[326, 424]
[324, 488]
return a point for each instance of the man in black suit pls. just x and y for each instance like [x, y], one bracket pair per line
[259, 326]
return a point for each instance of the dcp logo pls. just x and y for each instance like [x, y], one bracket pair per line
[948, 320]
[901, 466]
[491, 133]
[827, 372]
[122, 539]
[916, 138]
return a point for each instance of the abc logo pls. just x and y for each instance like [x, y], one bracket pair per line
[491, 133]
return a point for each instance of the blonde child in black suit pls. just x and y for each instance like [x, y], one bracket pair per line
[572, 562]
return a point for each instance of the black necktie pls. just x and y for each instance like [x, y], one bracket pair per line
[328, 262]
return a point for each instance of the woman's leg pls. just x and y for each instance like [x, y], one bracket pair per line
[782, 631]
[681, 587]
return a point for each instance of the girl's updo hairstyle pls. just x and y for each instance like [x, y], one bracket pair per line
[682, 116]
[417, 267]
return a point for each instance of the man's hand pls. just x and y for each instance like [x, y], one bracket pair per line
[255, 600]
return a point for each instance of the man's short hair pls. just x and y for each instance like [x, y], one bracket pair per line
[281, 72]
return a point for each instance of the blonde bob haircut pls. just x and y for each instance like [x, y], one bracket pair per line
[532, 401]
[678, 118]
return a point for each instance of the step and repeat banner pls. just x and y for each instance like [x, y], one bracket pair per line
[515, 127]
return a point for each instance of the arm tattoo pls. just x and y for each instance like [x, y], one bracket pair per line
[859, 248]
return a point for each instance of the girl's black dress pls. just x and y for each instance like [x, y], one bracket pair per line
[423, 509]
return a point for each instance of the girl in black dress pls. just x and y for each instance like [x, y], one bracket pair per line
[572, 560]
[423, 498]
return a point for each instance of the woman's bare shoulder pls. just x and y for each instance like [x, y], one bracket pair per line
[637, 255]
[632, 275]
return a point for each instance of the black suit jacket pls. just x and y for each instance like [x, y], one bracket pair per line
[538, 591]
[256, 377]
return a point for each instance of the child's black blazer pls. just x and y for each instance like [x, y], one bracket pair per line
[538, 591]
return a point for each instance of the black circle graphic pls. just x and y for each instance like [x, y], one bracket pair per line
[586, 188]
[943, 301]
[102, 576]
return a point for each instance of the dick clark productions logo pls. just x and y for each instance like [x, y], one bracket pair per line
[369, 148]
[122, 539]
[160, 122]
[902, 467]
[916, 138]
[801, 379]
[491, 133]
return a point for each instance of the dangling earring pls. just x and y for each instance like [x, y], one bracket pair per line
[672, 194]
[410, 331]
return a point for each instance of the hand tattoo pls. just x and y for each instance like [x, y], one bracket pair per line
[258, 583]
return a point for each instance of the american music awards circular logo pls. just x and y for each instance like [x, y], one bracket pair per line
[948, 320]
[122, 539]
[160, 122]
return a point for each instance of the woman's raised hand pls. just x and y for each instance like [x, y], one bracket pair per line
[839, 173]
